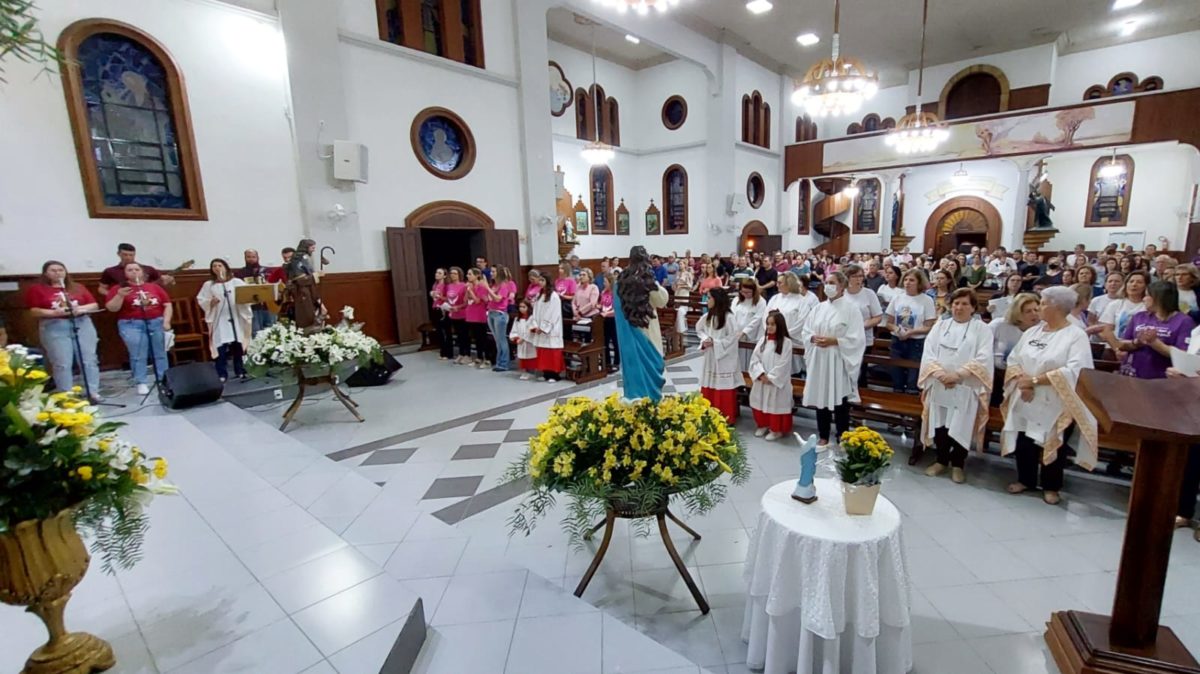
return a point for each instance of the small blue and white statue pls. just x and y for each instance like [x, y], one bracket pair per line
[806, 491]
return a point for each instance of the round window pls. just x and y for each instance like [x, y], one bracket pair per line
[674, 112]
[756, 190]
[443, 143]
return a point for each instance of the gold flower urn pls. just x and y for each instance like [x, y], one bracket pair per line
[41, 561]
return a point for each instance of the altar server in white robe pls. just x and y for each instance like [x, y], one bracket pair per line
[796, 304]
[956, 383]
[749, 310]
[229, 323]
[771, 370]
[1041, 409]
[546, 332]
[834, 342]
[722, 373]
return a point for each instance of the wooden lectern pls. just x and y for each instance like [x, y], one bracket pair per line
[256, 293]
[1164, 415]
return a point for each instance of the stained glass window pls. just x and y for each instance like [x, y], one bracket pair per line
[866, 212]
[675, 198]
[468, 30]
[602, 200]
[392, 21]
[431, 25]
[134, 142]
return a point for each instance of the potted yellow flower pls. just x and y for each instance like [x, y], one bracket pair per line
[630, 457]
[865, 457]
[63, 471]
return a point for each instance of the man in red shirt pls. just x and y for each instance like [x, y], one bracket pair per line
[277, 274]
[114, 276]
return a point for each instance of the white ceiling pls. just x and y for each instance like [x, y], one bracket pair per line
[886, 34]
[610, 45]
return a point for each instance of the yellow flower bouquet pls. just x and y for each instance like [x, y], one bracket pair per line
[865, 456]
[637, 454]
[56, 455]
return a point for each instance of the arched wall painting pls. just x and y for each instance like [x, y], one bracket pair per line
[866, 207]
[1108, 193]
[562, 94]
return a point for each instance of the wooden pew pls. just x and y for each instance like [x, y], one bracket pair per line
[673, 346]
[584, 360]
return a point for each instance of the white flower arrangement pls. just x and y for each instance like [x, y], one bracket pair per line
[286, 346]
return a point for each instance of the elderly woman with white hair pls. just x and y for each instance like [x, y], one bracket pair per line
[1042, 413]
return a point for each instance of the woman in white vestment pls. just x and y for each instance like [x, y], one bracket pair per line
[795, 303]
[722, 373]
[1042, 412]
[229, 323]
[834, 342]
[956, 382]
[749, 310]
[771, 371]
[1023, 313]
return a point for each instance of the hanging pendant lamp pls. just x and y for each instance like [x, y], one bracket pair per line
[595, 152]
[919, 132]
[838, 85]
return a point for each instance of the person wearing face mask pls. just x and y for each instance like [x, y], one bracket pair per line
[956, 382]
[834, 342]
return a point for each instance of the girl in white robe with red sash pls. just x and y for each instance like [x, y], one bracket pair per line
[956, 384]
[722, 374]
[834, 342]
[771, 370]
[546, 332]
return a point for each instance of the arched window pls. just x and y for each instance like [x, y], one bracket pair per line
[614, 123]
[584, 117]
[756, 120]
[448, 28]
[601, 180]
[806, 129]
[764, 136]
[675, 200]
[802, 219]
[747, 119]
[975, 90]
[133, 132]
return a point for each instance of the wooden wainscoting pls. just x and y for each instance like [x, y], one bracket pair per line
[369, 292]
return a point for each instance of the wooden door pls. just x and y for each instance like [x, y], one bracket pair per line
[408, 281]
[503, 247]
[772, 243]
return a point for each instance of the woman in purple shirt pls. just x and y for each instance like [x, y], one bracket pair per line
[1150, 334]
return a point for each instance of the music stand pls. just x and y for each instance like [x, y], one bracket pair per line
[87, 387]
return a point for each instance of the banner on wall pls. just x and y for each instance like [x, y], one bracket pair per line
[1050, 131]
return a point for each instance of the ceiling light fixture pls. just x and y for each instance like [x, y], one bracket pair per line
[633, 39]
[759, 6]
[1129, 27]
[960, 176]
[596, 153]
[1112, 169]
[837, 85]
[920, 131]
[851, 191]
[807, 39]
[1118, 5]
[642, 7]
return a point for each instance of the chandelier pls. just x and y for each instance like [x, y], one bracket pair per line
[596, 152]
[837, 85]
[1112, 169]
[642, 7]
[919, 132]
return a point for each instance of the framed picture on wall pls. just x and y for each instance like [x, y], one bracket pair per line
[622, 219]
[653, 223]
[581, 218]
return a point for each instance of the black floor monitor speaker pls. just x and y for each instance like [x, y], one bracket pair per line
[375, 374]
[190, 384]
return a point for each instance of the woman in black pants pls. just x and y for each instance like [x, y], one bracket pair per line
[445, 330]
[612, 362]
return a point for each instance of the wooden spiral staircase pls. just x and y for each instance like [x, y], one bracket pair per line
[826, 212]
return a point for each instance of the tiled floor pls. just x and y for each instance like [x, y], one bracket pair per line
[291, 539]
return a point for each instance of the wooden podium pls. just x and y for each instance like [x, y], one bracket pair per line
[253, 293]
[1164, 415]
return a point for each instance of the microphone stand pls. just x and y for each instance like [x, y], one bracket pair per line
[87, 387]
[232, 323]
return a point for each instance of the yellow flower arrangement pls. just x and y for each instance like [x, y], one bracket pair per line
[865, 455]
[600, 451]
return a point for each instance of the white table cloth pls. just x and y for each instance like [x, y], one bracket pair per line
[827, 592]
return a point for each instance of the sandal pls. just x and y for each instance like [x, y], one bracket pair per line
[1016, 488]
[1051, 497]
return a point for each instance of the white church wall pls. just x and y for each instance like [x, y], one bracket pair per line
[627, 184]
[617, 81]
[1172, 58]
[1023, 68]
[751, 77]
[699, 237]
[654, 86]
[887, 102]
[746, 162]
[381, 115]
[231, 60]
[1162, 188]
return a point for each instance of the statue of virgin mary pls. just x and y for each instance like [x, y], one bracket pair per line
[636, 301]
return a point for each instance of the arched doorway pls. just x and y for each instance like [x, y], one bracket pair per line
[962, 221]
[755, 237]
[441, 234]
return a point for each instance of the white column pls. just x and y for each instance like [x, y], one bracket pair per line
[537, 160]
[890, 182]
[723, 109]
[310, 31]
[1013, 236]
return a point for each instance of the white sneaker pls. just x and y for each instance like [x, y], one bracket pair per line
[758, 433]
[525, 377]
[484, 365]
[142, 389]
[773, 436]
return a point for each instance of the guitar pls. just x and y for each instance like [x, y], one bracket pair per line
[187, 264]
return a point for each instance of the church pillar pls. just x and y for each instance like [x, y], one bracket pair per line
[537, 160]
[1013, 236]
[310, 31]
[889, 181]
[723, 109]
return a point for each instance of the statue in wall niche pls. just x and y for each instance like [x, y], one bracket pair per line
[1041, 208]
[896, 215]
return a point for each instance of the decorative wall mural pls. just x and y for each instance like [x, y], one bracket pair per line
[1108, 193]
[1070, 128]
[561, 92]
[443, 143]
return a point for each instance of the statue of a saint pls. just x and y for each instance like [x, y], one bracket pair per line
[302, 301]
[636, 301]
[896, 215]
[1041, 208]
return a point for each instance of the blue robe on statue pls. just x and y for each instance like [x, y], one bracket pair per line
[641, 363]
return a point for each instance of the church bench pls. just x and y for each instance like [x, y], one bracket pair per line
[429, 337]
[584, 359]
[673, 346]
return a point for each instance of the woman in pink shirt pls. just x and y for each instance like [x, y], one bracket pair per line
[533, 286]
[476, 316]
[499, 299]
[566, 287]
[456, 309]
[587, 296]
[708, 278]
[441, 318]
[612, 361]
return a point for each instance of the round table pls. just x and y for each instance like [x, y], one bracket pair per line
[826, 592]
